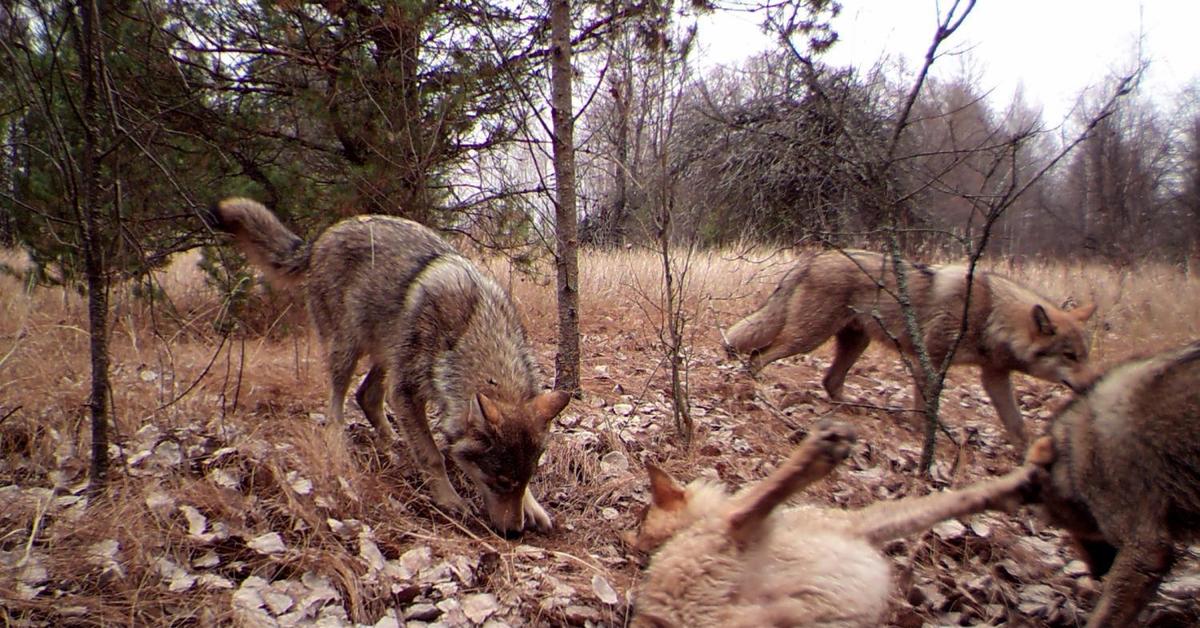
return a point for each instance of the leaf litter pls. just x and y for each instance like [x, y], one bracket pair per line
[232, 516]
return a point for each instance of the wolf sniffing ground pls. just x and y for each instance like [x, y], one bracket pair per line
[722, 560]
[434, 329]
[1125, 480]
[853, 297]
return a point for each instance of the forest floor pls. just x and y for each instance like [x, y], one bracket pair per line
[232, 500]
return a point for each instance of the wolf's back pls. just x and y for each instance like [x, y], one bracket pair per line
[262, 238]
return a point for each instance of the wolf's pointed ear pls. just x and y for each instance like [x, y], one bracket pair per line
[491, 412]
[664, 490]
[1083, 313]
[1041, 321]
[547, 405]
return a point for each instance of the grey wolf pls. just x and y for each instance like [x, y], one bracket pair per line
[739, 560]
[852, 296]
[433, 329]
[1125, 476]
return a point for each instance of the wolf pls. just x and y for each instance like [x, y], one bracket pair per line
[852, 296]
[721, 560]
[1124, 477]
[433, 329]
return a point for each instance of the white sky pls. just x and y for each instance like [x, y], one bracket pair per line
[1054, 48]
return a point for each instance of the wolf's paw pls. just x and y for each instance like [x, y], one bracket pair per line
[751, 367]
[536, 517]
[1021, 486]
[449, 500]
[1041, 452]
[385, 434]
[831, 440]
[386, 445]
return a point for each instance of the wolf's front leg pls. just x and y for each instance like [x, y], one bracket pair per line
[420, 441]
[1130, 584]
[535, 515]
[887, 520]
[998, 386]
[815, 458]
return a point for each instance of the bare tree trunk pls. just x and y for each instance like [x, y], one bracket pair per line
[90, 62]
[673, 311]
[10, 178]
[566, 222]
[622, 95]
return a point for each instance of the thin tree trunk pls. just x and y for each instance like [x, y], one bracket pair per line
[623, 92]
[92, 246]
[673, 312]
[566, 362]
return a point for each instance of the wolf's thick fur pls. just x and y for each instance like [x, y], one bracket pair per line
[1125, 479]
[840, 294]
[434, 329]
[738, 561]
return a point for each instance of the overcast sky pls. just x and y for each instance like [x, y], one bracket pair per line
[1054, 48]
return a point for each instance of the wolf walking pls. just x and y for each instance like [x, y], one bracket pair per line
[741, 560]
[434, 329]
[852, 296]
[1125, 476]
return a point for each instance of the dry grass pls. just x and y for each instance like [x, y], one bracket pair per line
[230, 427]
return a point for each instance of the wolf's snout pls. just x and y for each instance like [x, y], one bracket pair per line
[506, 513]
[1079, 381]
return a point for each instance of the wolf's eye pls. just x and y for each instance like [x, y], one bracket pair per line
[1071, 356]
[504, 484]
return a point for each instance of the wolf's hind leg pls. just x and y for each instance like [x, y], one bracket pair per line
[1135, 576]
[852, 340]
[370, 398]
[1098, 554]
[884, 521]
[814, 459]
[341, 360]
[411, 412]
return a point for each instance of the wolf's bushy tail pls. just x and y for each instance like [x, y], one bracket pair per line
[262, 238]
[759, 328]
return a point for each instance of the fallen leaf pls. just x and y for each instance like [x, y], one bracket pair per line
[269, 543]
[369, 552]
[277, 602]
[103, 554]
[224, 479]
[197, 523]
[301, 485]
[479, 606]
[603, 590]
[160, 502]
